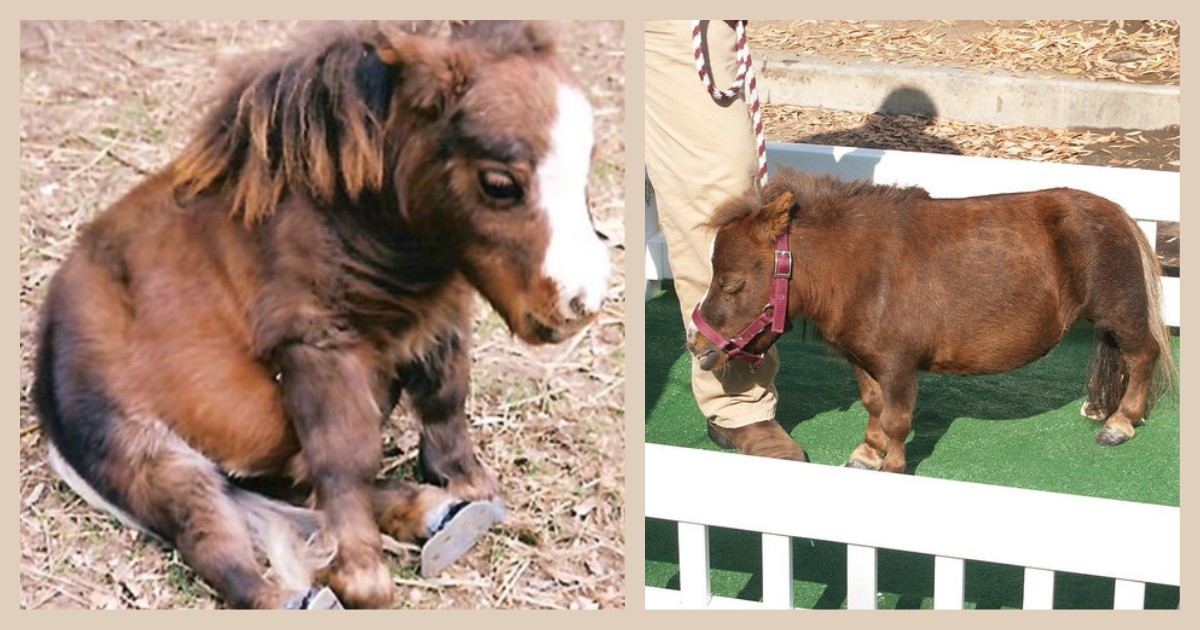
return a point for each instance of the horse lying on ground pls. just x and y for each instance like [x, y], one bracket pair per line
[898, 282]
[255, 309]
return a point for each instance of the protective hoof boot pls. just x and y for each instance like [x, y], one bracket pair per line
[463, 526]
[321, 598]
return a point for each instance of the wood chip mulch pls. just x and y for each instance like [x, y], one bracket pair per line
[1130, 51]
[1157, 150]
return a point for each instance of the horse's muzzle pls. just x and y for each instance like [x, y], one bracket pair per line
[708, 359]
[536, 330]
[708, 356]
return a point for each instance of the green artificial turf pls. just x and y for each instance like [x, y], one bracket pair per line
[1020, 429]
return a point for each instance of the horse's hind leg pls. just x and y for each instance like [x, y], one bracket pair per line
[1125, 356]
[175, 492]
[127, 461]
[1123, 368]
[889, 403]
[1132, 349]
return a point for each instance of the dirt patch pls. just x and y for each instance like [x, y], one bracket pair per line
[1151, 149]
[103, 104]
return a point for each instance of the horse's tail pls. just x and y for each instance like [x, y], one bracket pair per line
[1106, 382]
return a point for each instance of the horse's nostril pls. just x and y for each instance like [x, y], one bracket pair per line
[578, 307]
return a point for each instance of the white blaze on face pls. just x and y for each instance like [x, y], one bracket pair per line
[576, 259]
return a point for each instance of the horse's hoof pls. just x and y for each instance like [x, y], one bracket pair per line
[320, 598]
[463, 527]
[1111, 437]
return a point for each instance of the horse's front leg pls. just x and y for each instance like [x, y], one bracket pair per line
[331, 396]
[437, 386]
[869, 455]
[889, 403]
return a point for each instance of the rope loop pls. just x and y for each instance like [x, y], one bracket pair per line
[744, 80]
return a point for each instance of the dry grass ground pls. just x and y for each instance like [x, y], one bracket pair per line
[104, 103]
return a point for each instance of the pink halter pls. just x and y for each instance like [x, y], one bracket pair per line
[777, 320]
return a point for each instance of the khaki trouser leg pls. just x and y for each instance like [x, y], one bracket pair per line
[698, 154]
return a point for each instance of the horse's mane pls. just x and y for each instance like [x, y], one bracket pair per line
[313, 117]
[815, 197]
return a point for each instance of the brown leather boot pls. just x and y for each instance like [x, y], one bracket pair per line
[764, 439]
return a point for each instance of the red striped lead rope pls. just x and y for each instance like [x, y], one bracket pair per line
[743, 80]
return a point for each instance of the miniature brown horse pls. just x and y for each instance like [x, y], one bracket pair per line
[897, 282]
[257, 308]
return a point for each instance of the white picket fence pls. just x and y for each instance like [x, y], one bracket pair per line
[953, 521]
[1136, 543]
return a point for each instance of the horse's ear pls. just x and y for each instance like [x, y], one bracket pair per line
[778, 213]
[429, 74]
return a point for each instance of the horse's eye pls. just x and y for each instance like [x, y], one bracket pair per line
[732, 285]
[500, 185]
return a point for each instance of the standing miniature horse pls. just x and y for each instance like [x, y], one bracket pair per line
[899, 282]
[257, 308]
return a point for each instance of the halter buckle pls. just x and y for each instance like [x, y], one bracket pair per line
[784, 271]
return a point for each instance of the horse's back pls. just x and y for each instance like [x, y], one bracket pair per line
[1102, 258]
[1070, 238]
[988, 284]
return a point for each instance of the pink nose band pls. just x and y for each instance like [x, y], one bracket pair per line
[777, 319]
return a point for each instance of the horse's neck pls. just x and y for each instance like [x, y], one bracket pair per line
[811, 293]
[392, 251]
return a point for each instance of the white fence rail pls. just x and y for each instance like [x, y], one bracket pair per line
[1148, 196]
[953, 521]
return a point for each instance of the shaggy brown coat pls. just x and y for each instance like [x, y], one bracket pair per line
[898, 282]
[257, 307]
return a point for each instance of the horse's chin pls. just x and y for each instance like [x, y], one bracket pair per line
[535, 330]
